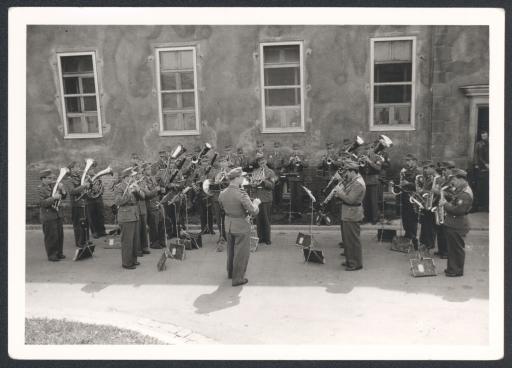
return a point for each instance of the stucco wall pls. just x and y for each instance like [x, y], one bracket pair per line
[337, 79]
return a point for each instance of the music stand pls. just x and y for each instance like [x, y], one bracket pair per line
[306, 244]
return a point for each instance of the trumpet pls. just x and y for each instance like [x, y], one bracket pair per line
[64, 171]
[207, 146]
[337, 176]
[339, 187]
[296, 160]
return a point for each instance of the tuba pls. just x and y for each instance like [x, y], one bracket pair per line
[358, 142]
[97, 187]
[88, 164]
[64, 171]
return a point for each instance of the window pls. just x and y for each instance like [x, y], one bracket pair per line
[282, 91]
[177, 91]
[80, 98]
[392, 79]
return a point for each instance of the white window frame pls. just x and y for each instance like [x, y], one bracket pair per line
[300, 129]
[159, 92]
[393, 127]
[63, 101]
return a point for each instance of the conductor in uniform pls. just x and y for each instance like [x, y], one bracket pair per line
[352, 195]
[407, 182]
[238, 207]
[456, 223]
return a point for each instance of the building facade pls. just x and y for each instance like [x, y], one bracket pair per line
[107, 91]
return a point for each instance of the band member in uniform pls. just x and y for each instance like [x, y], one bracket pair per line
[142, 245]
[352, 195]
[444, 173]
[407, 182]
[481, 165]
[50, 215]
[329, 164]
[455, 222]
[78, 212]
[275, 161]
[294, 171]
[237, 206]
[262, 185]
[431, 182]
[128, 217]
[372, 165]
[155, 217]
[95, 207]
[218, 176]
[205, 201]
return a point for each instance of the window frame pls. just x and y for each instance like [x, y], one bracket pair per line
[68, 135]
[163, 132]
[393, 127]
[264, 128]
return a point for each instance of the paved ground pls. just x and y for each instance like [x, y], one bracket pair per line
[285, 302]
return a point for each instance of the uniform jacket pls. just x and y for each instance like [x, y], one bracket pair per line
[481, 156]
[128, 210]
[75, 191]
[237, 205]
[264, 190]
[46, 201]
[458, 208]
[275, 160]
[372, 169]
[151, 194]
[352, 197]
[409, 177]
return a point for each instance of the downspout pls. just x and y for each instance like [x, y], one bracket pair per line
[431, 82]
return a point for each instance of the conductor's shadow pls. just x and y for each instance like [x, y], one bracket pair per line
[224, 297]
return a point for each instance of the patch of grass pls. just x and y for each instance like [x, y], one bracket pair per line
[43, 331]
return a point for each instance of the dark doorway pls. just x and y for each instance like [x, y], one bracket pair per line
[483, 120]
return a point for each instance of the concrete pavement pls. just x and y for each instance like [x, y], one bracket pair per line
[285, 301]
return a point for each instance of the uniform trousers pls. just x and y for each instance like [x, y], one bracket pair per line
[341, 226]
[96, 216]
[442, 247]
[409, 217]
[456, 252]
[371, 203]
[238, 256]
[173, 219]
[80, 226]
[296, 194]
[53, 238]
[278, 193]
[263, 222]
[142, 244]
[482, 197]
[156, 229]
[129, 238]
[428, 229]
[219, 216]
[353, 249]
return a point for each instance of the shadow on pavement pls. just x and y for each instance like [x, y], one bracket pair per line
[224, 297]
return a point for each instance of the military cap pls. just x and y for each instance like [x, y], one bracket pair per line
[145, 165]
[239, 150]
[347, 141]
[44, 173]
[428, 163]
[410, 156]
[235, 173]
[228, 147]
[197, 149]
[351, 165]
[277, 144]
[260, 143]
[329, 145]
[295, 146]
[162, 152]
[459, 173]
[135, 155]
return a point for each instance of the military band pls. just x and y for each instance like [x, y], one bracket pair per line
[153, 199]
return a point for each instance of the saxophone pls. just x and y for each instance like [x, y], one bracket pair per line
[439, 210]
